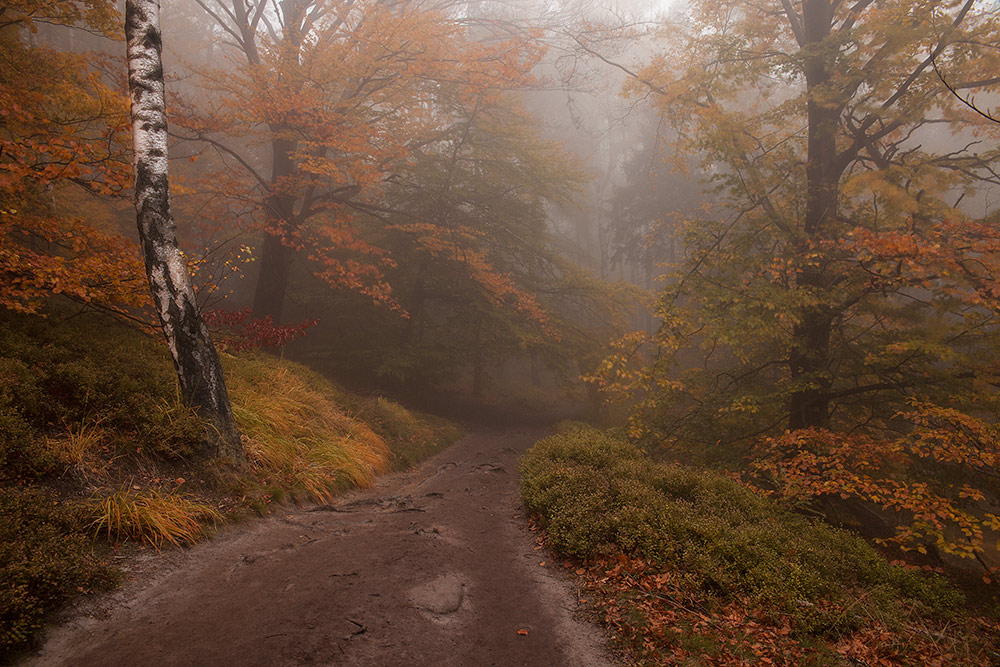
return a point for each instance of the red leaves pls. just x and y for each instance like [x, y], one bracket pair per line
[239, 330]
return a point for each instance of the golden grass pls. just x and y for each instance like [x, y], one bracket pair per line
[296, 432]
[153, 516]
[77, 446]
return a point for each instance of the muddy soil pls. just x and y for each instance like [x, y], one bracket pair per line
[434, 566]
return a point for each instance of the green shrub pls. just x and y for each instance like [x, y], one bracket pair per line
[45, 559]
[58, 372]
[596, 494]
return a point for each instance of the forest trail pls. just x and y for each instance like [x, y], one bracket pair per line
[432, 566]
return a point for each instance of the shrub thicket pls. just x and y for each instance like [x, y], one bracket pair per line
[46, 558]
[597, 494]
[55, 373]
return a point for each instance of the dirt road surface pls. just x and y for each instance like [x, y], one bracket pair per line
[434, 566]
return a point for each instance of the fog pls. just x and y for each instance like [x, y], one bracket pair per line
[447, 187]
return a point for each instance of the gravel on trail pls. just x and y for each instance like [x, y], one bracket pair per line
[432, 566]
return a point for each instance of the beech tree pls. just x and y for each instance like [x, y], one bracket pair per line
[845, 288]
[339, 93]
[197, 363]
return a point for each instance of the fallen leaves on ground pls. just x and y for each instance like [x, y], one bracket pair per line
[661, 618]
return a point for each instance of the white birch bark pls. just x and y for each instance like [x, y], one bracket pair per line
[195, 358]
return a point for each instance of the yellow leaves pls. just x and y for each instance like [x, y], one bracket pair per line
[883, 186]
[623, 371]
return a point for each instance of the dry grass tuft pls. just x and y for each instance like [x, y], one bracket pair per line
[78, 446]
[153, 516]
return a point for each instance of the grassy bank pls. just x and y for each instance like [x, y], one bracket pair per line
[97, 454]
[692, 568]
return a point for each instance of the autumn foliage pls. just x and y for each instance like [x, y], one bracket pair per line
[240, 330]
[933, 481]
[62, 131]
[832, 324]
[347, 99]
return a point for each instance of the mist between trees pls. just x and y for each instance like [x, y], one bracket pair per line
[762, 230]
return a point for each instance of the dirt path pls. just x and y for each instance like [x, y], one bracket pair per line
[432, 567]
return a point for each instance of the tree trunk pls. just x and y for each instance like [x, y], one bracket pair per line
[478, 358]
[197, 364]
[809, 358]
[276, 253]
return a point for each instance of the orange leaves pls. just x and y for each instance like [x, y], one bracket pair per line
[361, 86]
[61, 123]
[348, 105]
[956, 257]
[40, 257]
[942, 509]
[62, 127]
[99, 15]
[663, 620]
[463, 247]
[666, 620]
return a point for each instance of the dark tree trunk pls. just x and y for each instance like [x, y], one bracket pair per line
[197, 364]
[809, 358]
[276, 253]
[478, 359]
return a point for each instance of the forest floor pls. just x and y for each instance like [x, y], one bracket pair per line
[436, 565]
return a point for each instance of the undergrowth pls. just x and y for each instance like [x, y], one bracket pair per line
[659, 539]
[97, 453]
[415, 436]
[46, 558]
[297, 432]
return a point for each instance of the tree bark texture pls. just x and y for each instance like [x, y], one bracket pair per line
[195, 358]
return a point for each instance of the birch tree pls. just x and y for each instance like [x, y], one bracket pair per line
[194, 356]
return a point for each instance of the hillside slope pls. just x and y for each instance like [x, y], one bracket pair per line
[97, 454]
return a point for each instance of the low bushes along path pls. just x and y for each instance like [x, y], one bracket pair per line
[434, 566]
